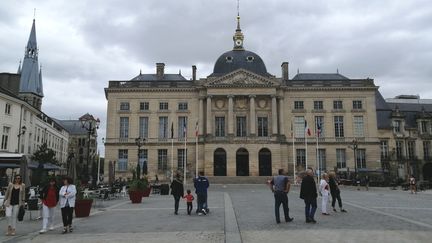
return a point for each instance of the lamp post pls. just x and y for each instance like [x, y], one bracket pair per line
[22, 131]
[354, 147]
[90, 124]
[139, 141]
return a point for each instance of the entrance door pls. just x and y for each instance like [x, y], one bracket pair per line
[242, 162]
[219, 162]
[265, 162]
[427, 171]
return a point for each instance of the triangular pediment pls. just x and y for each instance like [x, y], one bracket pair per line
[241, 78]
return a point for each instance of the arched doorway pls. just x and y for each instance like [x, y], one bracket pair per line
[219, 162]
[265, 162]
[242, 162]
[427, 171]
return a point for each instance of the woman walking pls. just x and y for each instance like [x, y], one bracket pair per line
[324, 190]
[50, 198]
[335, 192]
[14, 199]
[67, 203]
[177, 191]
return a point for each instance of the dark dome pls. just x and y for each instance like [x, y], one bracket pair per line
[236, 59]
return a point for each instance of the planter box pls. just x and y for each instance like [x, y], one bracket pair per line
[146, 192]
[83, 207]
[136, 196]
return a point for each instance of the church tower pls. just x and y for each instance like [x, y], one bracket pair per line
[31, 89]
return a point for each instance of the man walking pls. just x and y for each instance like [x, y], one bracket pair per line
[309, 194]
[280, 186]
[201, 185]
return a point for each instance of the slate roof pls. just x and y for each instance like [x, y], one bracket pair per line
[239, 59]
[74, 127]
[154, 77]
[411, 111]
[383, 112]
[319, 76]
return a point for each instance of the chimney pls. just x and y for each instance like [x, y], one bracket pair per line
[160, 70]
[285, 71]
[193, 72]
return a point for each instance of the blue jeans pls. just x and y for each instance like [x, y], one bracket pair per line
[281, 198]
[202, 201]
[310, 208]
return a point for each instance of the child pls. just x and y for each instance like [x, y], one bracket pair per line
[189, 199]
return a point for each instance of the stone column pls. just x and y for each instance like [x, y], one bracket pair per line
[201, 115]
[230, 115]
[281, 116]
[274, 115]
[209, 116]
[252, 114]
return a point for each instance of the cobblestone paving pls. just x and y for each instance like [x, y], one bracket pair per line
[377, 215]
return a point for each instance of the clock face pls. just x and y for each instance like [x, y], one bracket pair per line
[238, 42]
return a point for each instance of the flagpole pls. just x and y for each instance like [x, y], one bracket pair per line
[184, 157]
[196, 149]
[293, 154]
[172, 151]
[305, 137]
[318, 164]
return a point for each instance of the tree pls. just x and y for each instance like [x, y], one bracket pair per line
[45, 155]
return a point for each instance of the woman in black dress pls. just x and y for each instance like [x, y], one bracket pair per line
[177, 191]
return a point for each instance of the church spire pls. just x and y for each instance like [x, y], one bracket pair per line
[19, 67]
[238, 35]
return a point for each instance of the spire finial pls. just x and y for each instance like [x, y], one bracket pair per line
[238, 36]
[238, 15]
[140, 72]
[34, 13]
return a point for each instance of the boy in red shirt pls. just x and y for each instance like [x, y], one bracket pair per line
[189, 199]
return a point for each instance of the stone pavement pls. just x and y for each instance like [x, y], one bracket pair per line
[244, 213]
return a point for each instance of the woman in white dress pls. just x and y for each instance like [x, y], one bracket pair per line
[325, 191]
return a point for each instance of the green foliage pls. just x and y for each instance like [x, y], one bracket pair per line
[45, 155]
[138, 171]
[138, 184]
[79, 190]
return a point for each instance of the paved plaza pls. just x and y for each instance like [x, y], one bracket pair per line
[244, 213]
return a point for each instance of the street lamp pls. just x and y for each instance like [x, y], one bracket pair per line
[90, 124]
[354, 147]
[140, 142]
[21, 132]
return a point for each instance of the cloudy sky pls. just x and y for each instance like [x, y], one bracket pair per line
[83, 44]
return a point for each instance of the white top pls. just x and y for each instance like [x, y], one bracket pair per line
[67, 193]
[324, 187]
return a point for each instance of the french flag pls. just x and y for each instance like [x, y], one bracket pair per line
[307, 129]
[318, 131]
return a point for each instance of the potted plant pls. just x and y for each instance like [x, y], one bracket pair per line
[82, 205]
[136, 190]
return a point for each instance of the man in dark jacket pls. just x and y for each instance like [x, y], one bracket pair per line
[177, 191]
[201, 185]
[308, 193]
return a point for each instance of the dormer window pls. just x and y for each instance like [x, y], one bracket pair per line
[397, 126]
[249, 58]
[229, 58]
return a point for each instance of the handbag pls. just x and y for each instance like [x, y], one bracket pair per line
[21, 213]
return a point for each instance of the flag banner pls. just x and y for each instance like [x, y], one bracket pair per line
[172, 130]
[292, 132]
[196, 129]
[184, 130]
[318, 130]
[307, 129]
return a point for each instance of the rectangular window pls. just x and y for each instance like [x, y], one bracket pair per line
[124, 106]
[318, 105]
[182, 106]
[144, 106]
[319, 126]
[122, 160]
[25, 115]
[299, 126]
[298, 105]
[8, 109]
[162, 159]
[340, 158]
[361, 158]
[124, 127]
[143, 158]
[5, 138]
[384, 149]
[143, 127]
[163, 106]
[357, 105]
[322, 159]
[241, 126]
[339, 126]
[182, 127]
[411, 150]
[399, 149]
[423, 127]
[220, 126]
[301, 157]
[262, 127]
[358, 126]
[397, 124]
[426, 150]
[337, 105]
[181, 158]
[163, 127]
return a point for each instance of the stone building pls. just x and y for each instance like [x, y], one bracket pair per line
[248, 122]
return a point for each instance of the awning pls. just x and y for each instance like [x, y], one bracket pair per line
[46, 166]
